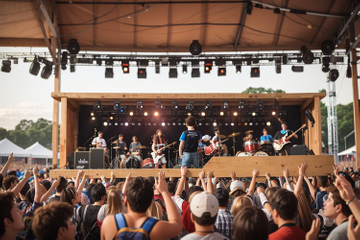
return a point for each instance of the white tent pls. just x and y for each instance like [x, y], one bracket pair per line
[7, 147]
[38, 151]
[349, 151]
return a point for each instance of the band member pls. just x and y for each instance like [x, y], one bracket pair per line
[158, 143]
[266, 137]
[216, 138]
[205, 141]
[99, 141]
[122, 144]
[280, 134]
[134, 148]
[189, 141]
[249, 136]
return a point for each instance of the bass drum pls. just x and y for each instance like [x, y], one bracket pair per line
[243, 154]
[261, 153]
[132, 162]
[147, 163]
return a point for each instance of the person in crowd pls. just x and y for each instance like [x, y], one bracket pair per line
[71, 196]
[10, 217]
[204, 209]
[239, 203]
[251, 223]
[138, 197]
[189, 141]
[323, 183]
[171, 190]
[113, 206]
[224, 218]
[53, 222]
[59, 189]
[284, 207]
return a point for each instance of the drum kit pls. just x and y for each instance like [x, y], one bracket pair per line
[255, 148]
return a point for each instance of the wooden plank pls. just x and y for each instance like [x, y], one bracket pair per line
[22, 42]
[223, 166]
[55, 126]
[356, 110]
[63, 133]
[76, 128]
[306, 104]
[317, 126]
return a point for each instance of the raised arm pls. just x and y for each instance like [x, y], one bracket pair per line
[210, 188]
[38, 192]
[311, 187]
[201, 177]
[125, 183]
[181, 182]
[78, 179]
[268, 178]
[299, 183]
[7, 165]
[51, 189]
[16, 190]
[82, 184]
[253, 182]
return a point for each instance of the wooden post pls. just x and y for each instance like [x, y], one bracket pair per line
[63, 132]
[55, 124]
[317, 126]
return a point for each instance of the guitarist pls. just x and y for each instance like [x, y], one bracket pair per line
[159, 142]
[280, 134]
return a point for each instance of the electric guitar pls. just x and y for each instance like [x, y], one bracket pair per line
[285, 139]
[156, 156]
[212, 150]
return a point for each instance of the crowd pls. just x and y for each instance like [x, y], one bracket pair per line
[34, 206]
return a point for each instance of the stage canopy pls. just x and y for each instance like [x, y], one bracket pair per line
[170, 26]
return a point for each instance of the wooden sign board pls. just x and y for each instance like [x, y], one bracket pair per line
[222, 166]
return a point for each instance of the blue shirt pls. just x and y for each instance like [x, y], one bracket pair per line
[267, 138]
[191, 139]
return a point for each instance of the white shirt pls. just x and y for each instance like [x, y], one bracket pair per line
[101, 140]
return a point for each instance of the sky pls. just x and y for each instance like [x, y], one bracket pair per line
[24, 96]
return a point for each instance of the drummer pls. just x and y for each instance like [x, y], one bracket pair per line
[266, 138]
[122, 146]
[249, 136]
[135, 148]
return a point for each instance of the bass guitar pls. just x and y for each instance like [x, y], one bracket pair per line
[285, 139]
[156, 156]
[212, 150]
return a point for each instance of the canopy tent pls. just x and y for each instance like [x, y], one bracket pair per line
[7, 147]
[349, 151]
[38, 151]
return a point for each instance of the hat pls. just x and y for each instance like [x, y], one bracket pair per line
[236, 184]
[41, 171]
[204, 203]
[206, 137]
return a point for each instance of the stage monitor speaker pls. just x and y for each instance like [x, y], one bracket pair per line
[82, 160]
[97, 158]
[298, 150]
[70, 161]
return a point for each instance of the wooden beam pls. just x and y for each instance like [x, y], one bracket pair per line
[241, 26]
[74, 105]
[22, 42]
[55, 126]
[306, 104]
[323, 21]
[63, 133]
[279, 24]
[317, 126]
[222, 166]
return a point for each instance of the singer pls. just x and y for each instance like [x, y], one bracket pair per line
[99, 141]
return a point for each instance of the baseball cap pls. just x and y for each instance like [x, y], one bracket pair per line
[236, 184]
[204, 203]
[206, 137]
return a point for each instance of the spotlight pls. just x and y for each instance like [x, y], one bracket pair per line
[146, 114]
[255, 72]
[232, 124]
[238, 69]
[64, 57]
[189, 114]
[250, 123]
[189, 106]
[348, 72]
[116, 105]
[116, 123]
[156, 114]
[6, 66]
[203, 114]
[139, 104]
[125, 66]
[253, 113]
[325, 67]
[245, 123]
[157, 67]
[195, 47]
[260, 105]
[93, 118]
[163, 124]
[221, 71]
[46, 71]
[105, 123]
[273, 113]
[333, 75]
[173, 73]
[308, 57]
[297, 68]
[195, 73]
[208, 66]
[268, 123]
[214, 124]
[72, 68]
[175, 104]
[226, 105]
[126, 124]
[184, 69]
[97, 105]
[92, 114]
[141, 73]
[34, 67]
[241, 104]
[327, 47]
[208, 104]
[174, 124]
[111, 118]
[109, 72]
[131, 113]
[221, 113]
[235, 114]
[73, 46]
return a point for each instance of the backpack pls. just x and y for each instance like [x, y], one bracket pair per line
[126, 233]
[81, 233]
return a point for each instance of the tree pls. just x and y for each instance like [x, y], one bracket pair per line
[262, 90]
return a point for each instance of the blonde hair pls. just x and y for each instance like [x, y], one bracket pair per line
[114, 202]
[239, 203]
[193, 195]
[304, 211]
[155, 210]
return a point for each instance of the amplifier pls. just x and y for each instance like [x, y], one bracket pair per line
[82, 160]
[97, 158]
[298, 150]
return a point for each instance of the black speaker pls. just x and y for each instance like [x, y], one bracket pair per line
[70, 161]
[298, 150]
[82, 160]
[97, 158]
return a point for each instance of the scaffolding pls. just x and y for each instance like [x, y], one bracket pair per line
[332, 121]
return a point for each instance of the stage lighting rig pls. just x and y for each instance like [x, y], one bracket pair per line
[238, 69]
[221, 71]
[184, 69]
[73, 46]
[327, 47]
[195, 47]
[255, 72]
[6, 66]
[116, 105]
[35, 67]
[208, 66]
[175, 105]
[125, 66]
[173, 73]
[141, 73]
[333, 75]
[47, 70]
[97, 105]
[208, 105]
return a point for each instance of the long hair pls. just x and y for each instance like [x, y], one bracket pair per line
[155, 210]
[114, 203]
[304, 211]
[155, 136]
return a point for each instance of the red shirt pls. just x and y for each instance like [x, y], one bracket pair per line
[288, 231]
[185, 217]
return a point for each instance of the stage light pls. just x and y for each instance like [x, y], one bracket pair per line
[189, 106]
[203, 114]
[235, 113]
[245, 123]
[250, 123]
[232, 124]
[111, 117]
[64, 57]
[189, 114]
[297, 68]
[308, 57]
[249, 7]
[34, 67]
[46, 71]
[241, 104]
[116, 105]
[221, 71]
[116, 124]
[238, 69]
[333, 75]
[93, 118]
[260, 105]
[207, 66]
[6, 66]
[255, 72]
[72, 68]
[126, 124]
[146, 114]
[325, 67]
[208, 104]
[173, 73]
[278, 66]
[214, 124]
[163, 124]
[97, 105]
[157, 67]
[131, 113]
[195, 47]
[158, 104]
[141, 73]
[73, 46]
[175, 104]
[184, 69]
[109, 72]
[253, 113]
[125, 66]
[156, 114]
[348, 71]
[200, 124]
[195, 72]
[92, 114]
[139, 104]
[122, 109]
[226, 105]
[327, 47]
[174, 124]
[221, 113]
[105, 123]
[273, 113]
[268, 123]
[139, 124]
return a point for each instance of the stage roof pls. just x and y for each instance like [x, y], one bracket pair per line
[170, 26]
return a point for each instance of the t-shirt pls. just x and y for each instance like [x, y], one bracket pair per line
[122, 146]
[100, 140]
[319, 199]
[340, 232]
[26, 232]
[212, 236]
[191, 139]
[159, 143]
[89, 220]
[185, 217]
[135, 146]
[282, 133]
[266, 138]
[288, 231]
[53, 198]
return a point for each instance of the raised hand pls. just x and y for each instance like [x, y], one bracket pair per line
[344, 187]
[56, 182]
[353, 233]
[160, 183]
[202, 174]
[210, 175]
[314, 231]
[113, 174]
[27, 174]
[35, 171]
[302, 168]
[267, 175]
[128, 177]
[233, 176]
[11, 157]
[286, 173]
[255, 173]
[336, 170]
[183, 171]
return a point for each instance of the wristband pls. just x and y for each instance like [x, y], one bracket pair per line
[347, 203]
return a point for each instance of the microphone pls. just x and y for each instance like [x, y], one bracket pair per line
[95, 130]
[310, 117]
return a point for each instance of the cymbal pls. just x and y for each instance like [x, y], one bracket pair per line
[234, 134]
[114, 142]
[222, 136]
[247, 132]
[143, 147]
[116, 147]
